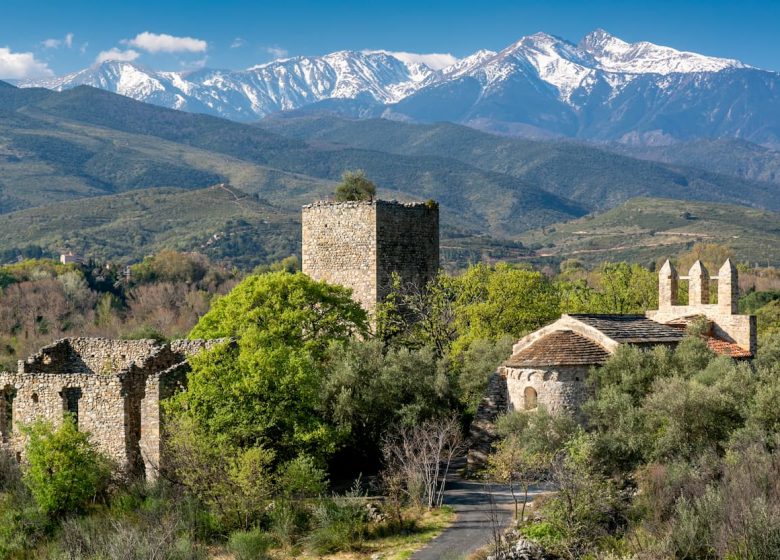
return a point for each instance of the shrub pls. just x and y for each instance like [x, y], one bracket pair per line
[64, 471]
[249, 545]
[339, 524]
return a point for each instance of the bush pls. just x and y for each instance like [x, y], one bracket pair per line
[249, 545]
[64, 471]
[339, 524]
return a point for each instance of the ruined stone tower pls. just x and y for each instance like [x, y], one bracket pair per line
[361, 244]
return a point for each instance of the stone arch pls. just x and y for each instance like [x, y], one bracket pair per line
[530, 398]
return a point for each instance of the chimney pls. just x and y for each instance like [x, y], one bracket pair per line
[698, 285]
[728, 288]
[668, 280]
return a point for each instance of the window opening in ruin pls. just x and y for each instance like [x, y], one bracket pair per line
[35, 397]
[7, 416]
[530, 398]
[70, 397]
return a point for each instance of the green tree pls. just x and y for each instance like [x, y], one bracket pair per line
[493, 301]
[64, 471]
[281, 309]
[368, 390]
[354, 186]
[264, 388]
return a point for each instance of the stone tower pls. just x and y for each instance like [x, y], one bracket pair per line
[361, 244]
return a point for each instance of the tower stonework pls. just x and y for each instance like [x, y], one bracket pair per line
[360, 245]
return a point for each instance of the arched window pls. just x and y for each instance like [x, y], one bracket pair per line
[529, 399]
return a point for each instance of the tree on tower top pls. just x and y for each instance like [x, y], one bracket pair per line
[355, 186]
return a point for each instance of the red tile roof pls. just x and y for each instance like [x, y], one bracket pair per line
[560, 348]
[726, 348]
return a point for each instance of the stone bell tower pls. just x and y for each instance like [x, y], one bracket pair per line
[727, 324]
[361, 244]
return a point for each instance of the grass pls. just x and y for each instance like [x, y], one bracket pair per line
[393, 547]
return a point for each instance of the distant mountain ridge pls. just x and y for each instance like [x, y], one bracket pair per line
[602, 89]
[105, 175]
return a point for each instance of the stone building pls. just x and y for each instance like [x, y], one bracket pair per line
[361, 244]
[550, 366]
[112, 388]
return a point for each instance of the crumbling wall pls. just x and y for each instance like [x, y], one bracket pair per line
[113, 387]
[482, 433]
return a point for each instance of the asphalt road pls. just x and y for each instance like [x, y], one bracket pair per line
[473, 527]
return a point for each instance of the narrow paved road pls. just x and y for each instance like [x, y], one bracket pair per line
[473, 526]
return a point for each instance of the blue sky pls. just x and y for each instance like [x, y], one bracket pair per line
[61, 36]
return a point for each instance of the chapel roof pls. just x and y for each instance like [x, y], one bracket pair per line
[631, 329]
[560, 348]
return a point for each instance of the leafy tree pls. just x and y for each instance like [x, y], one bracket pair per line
[367, 390]
[235, 484]
[711, 254]
[281, 309]
[493, 301]
[64, 471]
[355, 186]
[264, 389]
[524, 455]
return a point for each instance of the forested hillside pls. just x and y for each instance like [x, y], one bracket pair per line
[58, 148]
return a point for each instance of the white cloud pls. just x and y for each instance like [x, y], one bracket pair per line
[57, 43]
[277, 52]
[156, 43]
[435, 61]
[21, 65]
[237, 43]
[195, 64]
[115, 54]
[83, 48]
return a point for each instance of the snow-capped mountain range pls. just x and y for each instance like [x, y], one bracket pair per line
[600, 89]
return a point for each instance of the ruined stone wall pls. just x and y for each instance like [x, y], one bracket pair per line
[407, 244]
[89, 355]
[558, 388]
[482, 432]
[116, 387]
[339, 247]
[101, 407]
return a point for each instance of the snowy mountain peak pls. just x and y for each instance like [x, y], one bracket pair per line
[615, 55]
[467, 64]
[600, 65]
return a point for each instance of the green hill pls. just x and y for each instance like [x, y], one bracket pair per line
[144, 171]
[221, 222]
[646, 229]
[595, 178]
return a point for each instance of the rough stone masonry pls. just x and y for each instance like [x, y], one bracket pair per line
[112, 388]
[361, 244]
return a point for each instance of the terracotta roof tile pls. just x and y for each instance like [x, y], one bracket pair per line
[726, 348]
[560, 348]
[631, 329]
